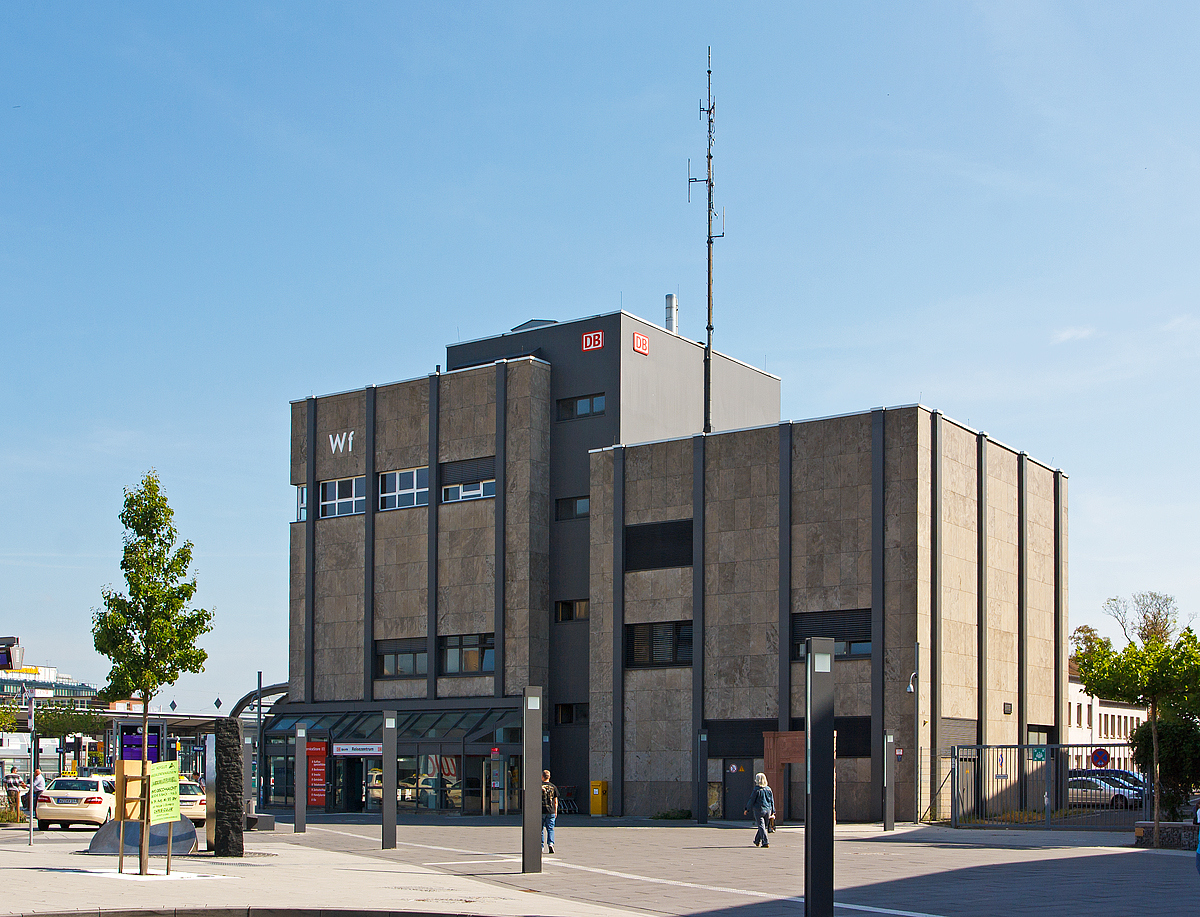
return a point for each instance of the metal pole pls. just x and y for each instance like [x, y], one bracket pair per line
[387, 801]
[258, 756]
[300, 781]
[889, 773]
[819, 784]
[531, 798]
[708, 344]
[917, 732]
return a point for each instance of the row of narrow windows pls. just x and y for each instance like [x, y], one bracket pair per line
[397, 490]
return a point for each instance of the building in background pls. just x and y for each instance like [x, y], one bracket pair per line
[1095, 722]
[547, 512]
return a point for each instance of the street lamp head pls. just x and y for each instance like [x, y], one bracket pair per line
[911, 683]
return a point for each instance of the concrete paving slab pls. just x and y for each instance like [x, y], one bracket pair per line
[606, 867]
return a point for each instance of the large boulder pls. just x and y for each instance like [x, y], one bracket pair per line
[182, 834]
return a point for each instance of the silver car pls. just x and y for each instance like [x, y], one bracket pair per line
[1091, 791]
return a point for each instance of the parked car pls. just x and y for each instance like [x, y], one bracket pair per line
[1091, 791]
[77, 800]
[1118, 779]
[192, 801]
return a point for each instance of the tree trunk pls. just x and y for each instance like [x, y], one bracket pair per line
[1154, 736]
[144, 828]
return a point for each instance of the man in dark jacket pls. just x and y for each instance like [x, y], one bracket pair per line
[760, 806]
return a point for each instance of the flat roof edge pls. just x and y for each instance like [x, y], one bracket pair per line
[449, 372]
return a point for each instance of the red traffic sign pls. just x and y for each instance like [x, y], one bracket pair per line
[1100, 757]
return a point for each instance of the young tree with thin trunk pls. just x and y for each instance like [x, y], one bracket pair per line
[1153, 670]
[149, 632]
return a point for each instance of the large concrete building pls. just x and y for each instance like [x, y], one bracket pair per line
[547, 512]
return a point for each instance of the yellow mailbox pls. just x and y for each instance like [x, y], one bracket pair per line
[599, 797]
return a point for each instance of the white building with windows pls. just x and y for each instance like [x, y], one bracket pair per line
[1093, 722]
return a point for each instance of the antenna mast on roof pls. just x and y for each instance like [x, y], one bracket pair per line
[710, 110]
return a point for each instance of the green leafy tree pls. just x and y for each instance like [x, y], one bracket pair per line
[149, 632]
[8, 717]
[1178, 759]
[1151, 671]
[60, 720]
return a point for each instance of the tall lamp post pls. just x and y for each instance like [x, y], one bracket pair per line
[914, 689]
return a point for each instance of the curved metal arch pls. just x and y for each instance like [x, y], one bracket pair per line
[267, 691]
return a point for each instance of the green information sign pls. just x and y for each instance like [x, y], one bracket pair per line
[1039, 754]
[164, 792]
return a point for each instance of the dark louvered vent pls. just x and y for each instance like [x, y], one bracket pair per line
[957, 732]
[658, 545]
[850, 631]
[468, 471]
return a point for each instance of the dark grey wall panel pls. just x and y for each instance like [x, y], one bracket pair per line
[499, 472]
[877, 611]
[372, 482]
[313, 507]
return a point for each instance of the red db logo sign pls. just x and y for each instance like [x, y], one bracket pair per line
[641, 344]
[593, 340]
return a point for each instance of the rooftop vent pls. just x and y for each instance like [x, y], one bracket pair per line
[673, 313]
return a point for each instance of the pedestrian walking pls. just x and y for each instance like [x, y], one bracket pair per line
[760, 806]
[549, 810]
[13, 784]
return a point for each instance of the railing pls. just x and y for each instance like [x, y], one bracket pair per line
[1074, 787]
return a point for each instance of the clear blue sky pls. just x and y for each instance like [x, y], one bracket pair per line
[210, 209]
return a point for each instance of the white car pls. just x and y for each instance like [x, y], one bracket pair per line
[77, 800]
[192, 801]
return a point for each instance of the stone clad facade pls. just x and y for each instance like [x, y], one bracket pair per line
[660, 592]
[972, 568]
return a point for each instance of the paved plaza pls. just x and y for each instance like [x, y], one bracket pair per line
[608, 867]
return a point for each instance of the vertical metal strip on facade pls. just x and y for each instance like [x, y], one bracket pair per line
[501, 472]
[700, 768]
[1022, 598]
[372, 482]
[431, 553]
[935, 610]
[877, 611]
[981, 611]
[312, 507]
[616, 794]
[1060, 610]
[785, 580]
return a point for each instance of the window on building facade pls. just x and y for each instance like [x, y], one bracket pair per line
[576, 610]
[467, 654]
[1089, 714]
[401, 658]
[343, 497]
[476, 490]
[401, 489]
[849, 630]
[667, 643]
[302, 503]
[571, 508]
[658, 545]
[586, 406]
[570, 714]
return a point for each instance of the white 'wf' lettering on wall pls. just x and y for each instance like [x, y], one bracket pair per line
[339, 442]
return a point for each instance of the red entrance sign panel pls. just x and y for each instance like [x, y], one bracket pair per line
[316, 752]
[641, 344]
[593, 340]
[1100, 757]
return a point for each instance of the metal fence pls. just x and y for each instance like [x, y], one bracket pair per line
[1075, 787]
